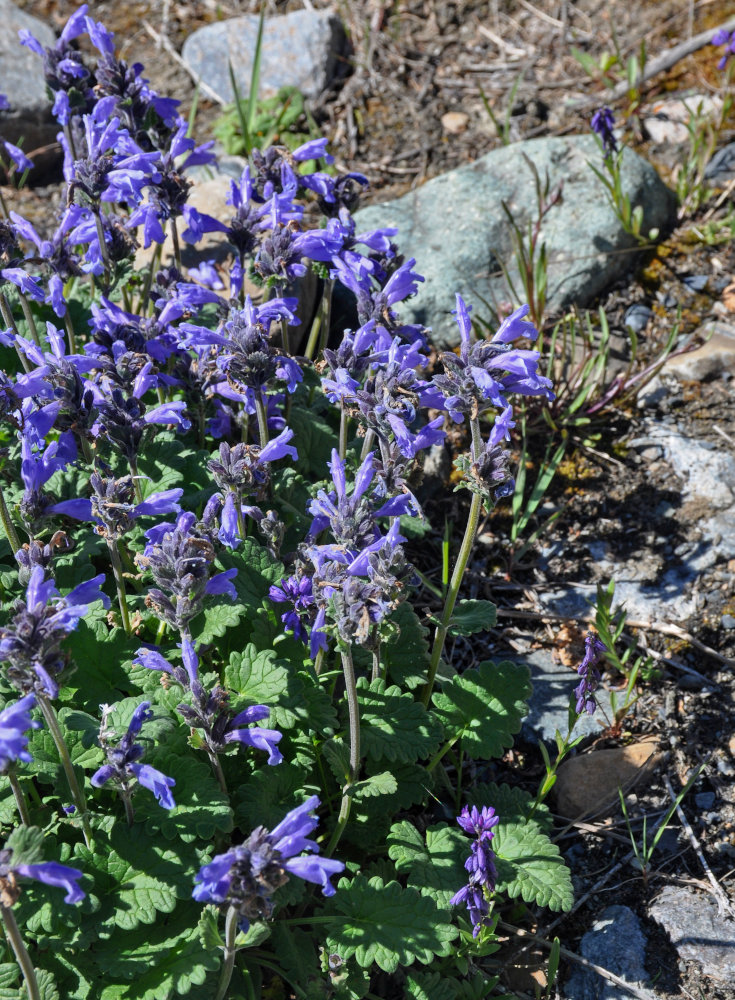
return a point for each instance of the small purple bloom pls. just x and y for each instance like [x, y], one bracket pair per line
[15, 720]
[52, 873]
[481, 824]
[603, 125]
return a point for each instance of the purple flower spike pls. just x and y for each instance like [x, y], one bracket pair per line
[481, 823]
[247, 875]
[589, 674]
[603, 125]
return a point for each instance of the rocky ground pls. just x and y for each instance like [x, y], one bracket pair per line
[646, 493]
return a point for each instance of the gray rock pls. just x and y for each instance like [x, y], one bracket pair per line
[707, 473]
[617, 943]
[455, 227]
[553, 683]
[715, 357]
[697, 931]
[302, 49]
[22, 81]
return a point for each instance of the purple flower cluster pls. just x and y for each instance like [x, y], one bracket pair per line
[726, 38]
[589, 674]
[481, 867]
[210, 711]
[603, 125]
[31, 642]
[246, 876]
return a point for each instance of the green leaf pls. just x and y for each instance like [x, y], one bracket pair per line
[337, 755]
[429, 986]
[157, 963]
[484, 707]
[9, 981]
[313, 439]
[393, 726]
[26, 843]
[529, 865]
[47, 989]
[472, 616]
[378, 785]
[202, 808]
[209, 933]
[127, 895]
[406, 654]
[258, 677]
[257, 571]
[268, 794]
[511, 804]
[435, 865]
[216, 619]
[387, 925]
[414, 785]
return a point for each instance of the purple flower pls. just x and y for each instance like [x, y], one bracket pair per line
[589, 674]
[246, 876]
[603, 125]
[17, 155]
[262, 739]
[122, 760]
[50, 873]
[481, 824]
[15, 720]
[726, 38]
[31, 642]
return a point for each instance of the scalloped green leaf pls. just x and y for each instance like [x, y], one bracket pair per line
[202, 808]
[257, 571]
[393, 726]
[26, 843]
[216, 619]
[378, 785]
[387, 925]
[337, 755]
[258, 677]
[268, 794]
[471, 616]
[126, 894]
[406, 654]
[511, 804]
[157, 963]
[484, 707]
[9, 981]
[529, 865]
[434, 863]
[429, 986]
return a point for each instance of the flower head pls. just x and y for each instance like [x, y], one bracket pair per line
[246, 876]
[480, 864]
[726, 38]
[603, 125]
[122, 760]
[589, 674]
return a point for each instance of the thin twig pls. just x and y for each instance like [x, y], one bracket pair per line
[664, 628]
[164, 43]
[727, 437]
[723, 903]
[574, 957]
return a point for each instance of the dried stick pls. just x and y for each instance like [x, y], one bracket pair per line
[663, 628]
[164, 43]
[723, 903]
[574, 957]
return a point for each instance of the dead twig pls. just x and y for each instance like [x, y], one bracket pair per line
[663, 628]
[723, 903]
[164, 43]
[574, 957]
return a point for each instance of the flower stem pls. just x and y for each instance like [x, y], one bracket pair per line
[127, 802]
[74, 787]
[25, 306]
[218, 772]
[8, 525]
[231, 921]
[12, 932]
[133, 463]
[354, 713]
[260, 408]
[175, 241]
[70, 332]
[20, 798]
[455, 583]
[344, 421]
[119, 583]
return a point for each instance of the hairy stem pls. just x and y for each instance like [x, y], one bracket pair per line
[354, 714]
[457, 575]
[261, 410]
[175, 241]
[20, 798]
[26, 307]
[119, 583]
[8, 526]
[12, 932]
[231, 921]
[77, 794]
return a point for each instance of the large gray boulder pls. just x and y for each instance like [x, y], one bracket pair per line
[455, 227]
[21, 80]
[302, 49]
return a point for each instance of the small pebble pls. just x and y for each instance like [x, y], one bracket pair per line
[727, 621]
[726, 768]
[705, 800]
